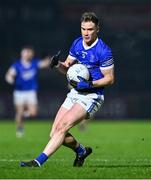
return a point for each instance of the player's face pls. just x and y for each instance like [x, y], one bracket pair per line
[27, 54]
[89, 32]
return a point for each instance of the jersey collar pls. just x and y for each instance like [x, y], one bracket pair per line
[25, 64]
[88, 47]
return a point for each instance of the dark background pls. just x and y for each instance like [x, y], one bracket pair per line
[51, 25]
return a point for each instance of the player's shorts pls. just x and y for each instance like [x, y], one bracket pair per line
[91, 102]
[25, 97]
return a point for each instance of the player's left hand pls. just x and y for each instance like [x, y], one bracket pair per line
[55, 59]
[82, 85]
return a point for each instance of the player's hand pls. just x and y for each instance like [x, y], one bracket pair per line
[82, 85]
[55, 59]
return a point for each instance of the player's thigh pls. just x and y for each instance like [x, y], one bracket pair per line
[61, 112]
[32, 102]
[67, 104]
[19, 109]
[73, 116]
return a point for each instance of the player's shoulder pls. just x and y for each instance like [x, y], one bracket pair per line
[102, 44]
[16, 65]
[16, 62]
[103, 48]
[104, 52]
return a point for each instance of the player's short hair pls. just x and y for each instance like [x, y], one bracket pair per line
[28, 47]
[90, 16]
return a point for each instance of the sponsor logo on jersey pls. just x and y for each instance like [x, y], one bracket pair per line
[26, 75]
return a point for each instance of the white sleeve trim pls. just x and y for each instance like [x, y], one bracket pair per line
[13, 71]
[108, 67]
[71, 57]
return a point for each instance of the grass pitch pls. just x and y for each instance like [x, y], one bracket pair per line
[120, 150]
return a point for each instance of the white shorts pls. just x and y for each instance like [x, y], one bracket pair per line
[91, 102]
[25, 97]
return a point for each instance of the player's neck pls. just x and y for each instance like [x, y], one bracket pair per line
[25, 62]
[90, 44]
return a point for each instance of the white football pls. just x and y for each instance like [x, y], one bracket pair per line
[77, 70]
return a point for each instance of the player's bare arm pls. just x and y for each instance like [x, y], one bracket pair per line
[10, 76]
[44, 63]
[108, 78]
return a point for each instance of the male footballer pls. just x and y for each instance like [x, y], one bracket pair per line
[23, 75]
[86, 97]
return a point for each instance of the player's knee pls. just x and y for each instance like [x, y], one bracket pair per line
[19, 114]
[33, 113]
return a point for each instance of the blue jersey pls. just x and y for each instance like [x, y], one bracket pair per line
[26, 76]
[96, 57]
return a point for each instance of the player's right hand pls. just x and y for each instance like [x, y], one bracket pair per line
[55, 60]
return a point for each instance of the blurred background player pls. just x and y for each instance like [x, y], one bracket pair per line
[23, 75]
[86, 98]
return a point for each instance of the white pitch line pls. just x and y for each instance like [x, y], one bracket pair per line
[96, 160]
[9, 160]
